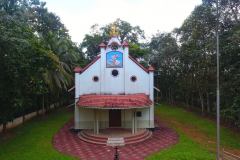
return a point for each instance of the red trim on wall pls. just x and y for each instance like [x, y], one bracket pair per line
[141, 66]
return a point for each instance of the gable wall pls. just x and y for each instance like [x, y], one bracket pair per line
[141, 85]
[109, 84]
[84, 83]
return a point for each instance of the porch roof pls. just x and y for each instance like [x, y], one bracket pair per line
[126, 101]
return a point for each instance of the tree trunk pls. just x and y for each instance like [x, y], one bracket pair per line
[208, 103]
[169, 95]
[187, 100]
[23, 118]
[43, 107]
[192, 100]
[161, 95]
[37, 112]
[4, 127]
[172, 99]
[201, 101]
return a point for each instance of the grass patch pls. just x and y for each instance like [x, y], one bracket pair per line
[33, 140]
[197, 136]
[186, 149]
[205, 126]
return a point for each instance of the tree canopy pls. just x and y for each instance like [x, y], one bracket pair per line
[37, 57]
[185, 60]
[127, 32]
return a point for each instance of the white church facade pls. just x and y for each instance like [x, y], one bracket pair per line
[114, 91]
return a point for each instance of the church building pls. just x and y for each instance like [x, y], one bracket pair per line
[114, 91]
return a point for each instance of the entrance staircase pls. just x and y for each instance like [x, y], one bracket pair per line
[112, 140]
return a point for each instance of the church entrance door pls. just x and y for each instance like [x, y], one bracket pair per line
[115, 118]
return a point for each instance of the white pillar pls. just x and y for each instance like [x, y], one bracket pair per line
[135, 120]
[125, 63]
[133, 125]
[76, 108]
[151, 85]
[97, 121]
[102, 69]
[76, 117]
[94, 122]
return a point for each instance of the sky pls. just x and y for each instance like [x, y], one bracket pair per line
[151, 15]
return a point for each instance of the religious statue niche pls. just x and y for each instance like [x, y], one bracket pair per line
[114, 46]
[114, 59]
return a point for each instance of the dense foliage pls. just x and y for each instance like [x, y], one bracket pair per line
[132, 34]
[36, 56]
[186, 60]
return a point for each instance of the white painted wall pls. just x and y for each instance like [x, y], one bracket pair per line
[86, 118]
[141, 85]
[108, 84]
[84, 83]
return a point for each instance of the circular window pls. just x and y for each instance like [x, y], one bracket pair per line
[133, 78]
[95, 78]
[115, 72]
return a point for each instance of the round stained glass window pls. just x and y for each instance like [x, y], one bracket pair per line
[115, 72]
[133, 78]
[95, 78]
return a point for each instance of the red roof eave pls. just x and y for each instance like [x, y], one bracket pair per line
[128, 101]
[151, 69]
[102, 45]
[125, 44]
[77, 69]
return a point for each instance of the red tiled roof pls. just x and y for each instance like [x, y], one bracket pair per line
[77, 69]
[127, 101]
[125, 43]
[102, 45]
[151, 69]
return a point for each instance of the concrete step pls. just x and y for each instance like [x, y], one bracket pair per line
[139, 139]
[139, 136]
[94, 135]
[87, 139]
[91, 138]
[113, 141]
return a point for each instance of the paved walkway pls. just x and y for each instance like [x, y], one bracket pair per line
[68, 142]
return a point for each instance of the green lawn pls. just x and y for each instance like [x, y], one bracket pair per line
[203, 125]
[196, 136]
[33, 140]
[186, 149]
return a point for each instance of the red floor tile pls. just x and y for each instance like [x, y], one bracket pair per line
[68, 142]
